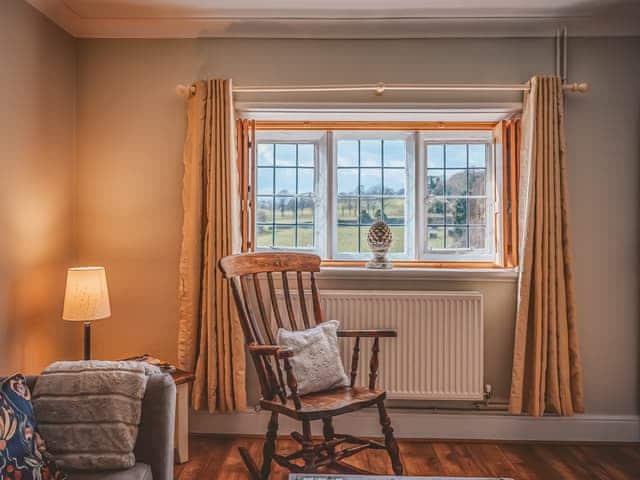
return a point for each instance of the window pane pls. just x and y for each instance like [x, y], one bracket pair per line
[265, 154]
[393, 210]
[364, 233]
[370, 210]
[305, 237]
[435, 182]
[348, 153]
[370, 153]
[285, 181]
[375, 190]
[264, 236]
[264, 212]
[456, 237]
[285, 195]
[285, 155]
[398, 240]
[456, 211]
[265, 181]
[305, 180]
[394, 153]
[477, 181]
[347, 239]
[435, 156]
[285, 236]
[370, 181]
[347, 181]
[458, 199]
[285, 210]
[394, 181]
[477, 211]
[305, 209]
[477, 155]
[306, 153]
[456, 182]
[347, 210]
[436, 237]
[477, 237]
[456, 156]
[435, 211]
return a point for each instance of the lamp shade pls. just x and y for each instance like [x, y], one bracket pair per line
[86, 297]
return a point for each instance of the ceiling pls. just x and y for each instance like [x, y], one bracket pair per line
[340, 18]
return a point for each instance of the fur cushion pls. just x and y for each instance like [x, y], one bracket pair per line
[316, 362]
[89, 412]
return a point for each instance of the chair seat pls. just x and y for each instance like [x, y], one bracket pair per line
[327, 403]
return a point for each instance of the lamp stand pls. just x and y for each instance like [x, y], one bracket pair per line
[87, 340]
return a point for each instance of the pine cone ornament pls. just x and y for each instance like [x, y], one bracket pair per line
[379, 236]
[379, 240]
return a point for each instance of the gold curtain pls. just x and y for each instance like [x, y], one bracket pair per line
[547, 370]
[210, 340]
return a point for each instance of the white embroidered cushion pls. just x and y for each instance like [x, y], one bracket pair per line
[316, 361]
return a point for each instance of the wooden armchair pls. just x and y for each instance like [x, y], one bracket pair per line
[247, 274]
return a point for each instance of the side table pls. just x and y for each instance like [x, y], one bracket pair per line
[182, 380]
[181, 437]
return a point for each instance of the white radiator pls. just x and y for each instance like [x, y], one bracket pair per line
[438, 354]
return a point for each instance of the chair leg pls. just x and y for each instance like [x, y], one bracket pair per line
[327, 429]
[308, 454]
[389, 439]
[269, 446]
[329, 434]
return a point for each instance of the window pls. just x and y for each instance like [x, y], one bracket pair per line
[285, 195]
[459, 196]
[371, 184]
[438, 190]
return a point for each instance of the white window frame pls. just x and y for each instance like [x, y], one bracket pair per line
[319, 140]
[409, 215]
[491, 252]
[325, 212]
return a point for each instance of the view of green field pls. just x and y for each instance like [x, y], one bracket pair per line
[371, 181]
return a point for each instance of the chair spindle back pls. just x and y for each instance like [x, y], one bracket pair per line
[261, 315]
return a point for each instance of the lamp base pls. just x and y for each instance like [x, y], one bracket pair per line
[87, 340]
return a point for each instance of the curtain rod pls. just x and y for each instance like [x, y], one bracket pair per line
[380, 88]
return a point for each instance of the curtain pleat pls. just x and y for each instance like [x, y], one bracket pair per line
[210, 340]
[547, 370]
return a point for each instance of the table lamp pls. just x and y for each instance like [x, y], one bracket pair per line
[86, 299]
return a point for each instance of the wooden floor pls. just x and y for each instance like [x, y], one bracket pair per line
[217, 457]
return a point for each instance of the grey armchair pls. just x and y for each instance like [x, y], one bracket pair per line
[154, 446]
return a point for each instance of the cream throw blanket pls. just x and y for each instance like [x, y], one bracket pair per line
[88, 412]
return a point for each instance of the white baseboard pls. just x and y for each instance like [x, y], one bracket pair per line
[426, 424]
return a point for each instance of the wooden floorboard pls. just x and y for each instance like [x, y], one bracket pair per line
[216, 457]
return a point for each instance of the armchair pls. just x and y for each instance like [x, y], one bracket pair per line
[154, 445]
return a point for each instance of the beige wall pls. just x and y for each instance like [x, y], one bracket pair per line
[118, 203]
[37, 150]
[131, 130]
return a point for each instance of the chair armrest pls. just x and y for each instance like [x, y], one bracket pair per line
[368, 333]
[284, 354]
[376, 334]
[275, 350]
[154, 445]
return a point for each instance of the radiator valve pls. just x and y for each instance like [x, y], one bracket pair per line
[488, 392]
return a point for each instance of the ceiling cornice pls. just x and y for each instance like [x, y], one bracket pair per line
[336, 27]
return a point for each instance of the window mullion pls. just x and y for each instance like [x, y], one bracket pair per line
[419, 225]
[331, 178]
